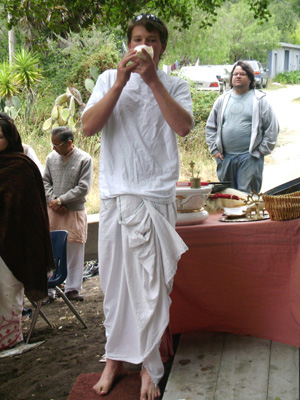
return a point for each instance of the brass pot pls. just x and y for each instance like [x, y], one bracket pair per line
[195, 183]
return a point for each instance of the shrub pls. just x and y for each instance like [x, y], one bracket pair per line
[202, 103]
[8, 84]
[106, 57]
[68, 61]
[193, 147]
[290, 77]
[25, 69]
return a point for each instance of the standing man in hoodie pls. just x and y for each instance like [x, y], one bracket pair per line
[241, 129]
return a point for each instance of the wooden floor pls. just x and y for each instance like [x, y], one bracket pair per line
[222, 366]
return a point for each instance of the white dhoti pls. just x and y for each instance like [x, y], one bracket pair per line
[138, 254]
[75, 222]
[75, 260]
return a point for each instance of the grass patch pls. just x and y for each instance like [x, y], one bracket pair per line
[275, 86]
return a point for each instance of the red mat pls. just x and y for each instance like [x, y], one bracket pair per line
[127, 388]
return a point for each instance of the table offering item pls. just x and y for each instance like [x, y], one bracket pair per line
[195, 183]
[253, 210]
[283, 207]
[255, 206]
[190, 202]
[194, 180]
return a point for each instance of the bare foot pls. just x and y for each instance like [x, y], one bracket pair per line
[113, 371]
[149, 391]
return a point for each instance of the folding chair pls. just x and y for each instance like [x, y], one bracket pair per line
[59, 245]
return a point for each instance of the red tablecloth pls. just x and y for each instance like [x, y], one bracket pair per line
[239, 277]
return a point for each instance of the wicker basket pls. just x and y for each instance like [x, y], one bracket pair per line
[283, 207]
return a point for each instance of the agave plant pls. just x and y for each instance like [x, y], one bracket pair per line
[26, 70]
[8, 84]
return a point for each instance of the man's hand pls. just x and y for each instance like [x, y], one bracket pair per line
[146, 68]
[96, 117]
[219, 155]
[179, 119]
[125, 68]
[60, 209]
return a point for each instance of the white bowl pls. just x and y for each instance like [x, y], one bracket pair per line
[190, 202]
[192, 218]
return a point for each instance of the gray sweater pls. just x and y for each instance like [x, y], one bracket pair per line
[70, 181]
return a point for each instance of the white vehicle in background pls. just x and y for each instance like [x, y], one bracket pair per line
[222, 75]
[203, 77]
[228, 67]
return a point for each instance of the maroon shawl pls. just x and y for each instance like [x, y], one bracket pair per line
[25, 243]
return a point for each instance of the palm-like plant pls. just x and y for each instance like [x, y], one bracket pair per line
[8, 84]
[25, 69]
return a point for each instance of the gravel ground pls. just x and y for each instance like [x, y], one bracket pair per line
[283, 164]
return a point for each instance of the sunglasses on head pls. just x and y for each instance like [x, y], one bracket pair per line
[150, 17]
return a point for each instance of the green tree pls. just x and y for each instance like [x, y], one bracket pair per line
[3, 41]
[235, 35]
[247, 38]
[60, 16]
[295, 36]
[286, 17]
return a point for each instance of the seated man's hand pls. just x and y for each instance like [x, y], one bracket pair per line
[62, 210]
[56, 207]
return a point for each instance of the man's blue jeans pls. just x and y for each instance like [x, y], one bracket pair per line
[243, 170]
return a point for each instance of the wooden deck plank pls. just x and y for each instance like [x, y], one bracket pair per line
[221, 366]
[195, 367]
[244, 369]
[284, 372]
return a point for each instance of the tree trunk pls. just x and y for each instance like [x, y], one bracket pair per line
[11, 43]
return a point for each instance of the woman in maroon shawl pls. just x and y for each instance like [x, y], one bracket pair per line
[25, 243]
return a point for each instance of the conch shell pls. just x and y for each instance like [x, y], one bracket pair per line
[140, 54]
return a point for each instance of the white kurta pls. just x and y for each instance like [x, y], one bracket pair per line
[139, 152]
[138, 254]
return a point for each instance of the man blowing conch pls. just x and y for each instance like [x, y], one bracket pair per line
[140, 110]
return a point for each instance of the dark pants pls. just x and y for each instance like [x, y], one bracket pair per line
[243, 170]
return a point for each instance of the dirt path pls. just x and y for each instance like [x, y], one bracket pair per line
[49, 371]
[284, 163]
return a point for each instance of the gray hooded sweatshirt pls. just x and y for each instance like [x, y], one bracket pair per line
[265, 127]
